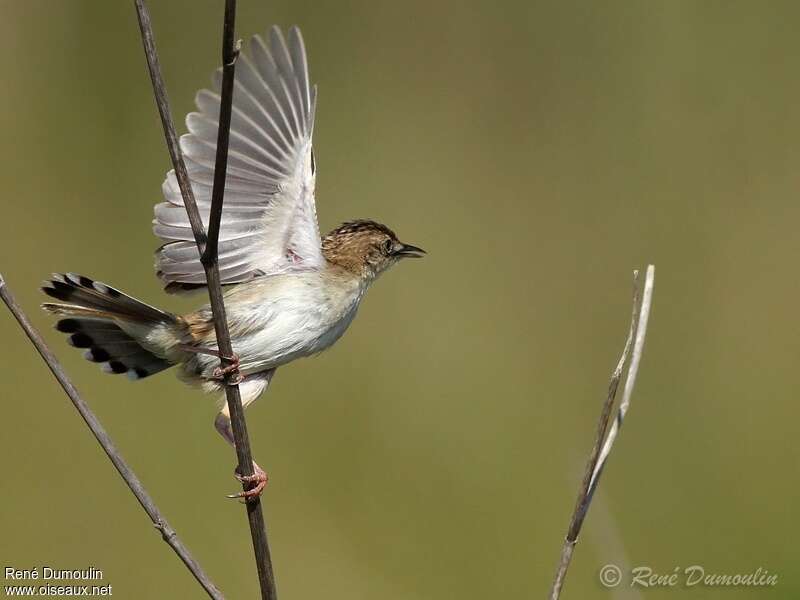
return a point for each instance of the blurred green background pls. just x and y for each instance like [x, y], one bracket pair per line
[540, 152]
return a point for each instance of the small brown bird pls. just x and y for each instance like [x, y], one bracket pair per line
[290, 294]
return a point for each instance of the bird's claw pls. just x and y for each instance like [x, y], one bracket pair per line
[222, 372]
[259, 477]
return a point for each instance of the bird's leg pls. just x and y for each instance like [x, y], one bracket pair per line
[251, 388]
[259, 477]
[220, 372]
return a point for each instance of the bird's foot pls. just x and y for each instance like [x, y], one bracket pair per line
[222, 372]
[259, 477]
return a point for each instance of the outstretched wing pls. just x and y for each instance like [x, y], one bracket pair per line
[269, 219]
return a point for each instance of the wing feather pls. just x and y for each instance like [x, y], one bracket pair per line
[300, 63]
[269, 220]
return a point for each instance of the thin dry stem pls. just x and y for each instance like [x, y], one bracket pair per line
[207, 248]
[160, 523]
[603, 443]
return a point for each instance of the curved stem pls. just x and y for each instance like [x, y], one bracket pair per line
[102, 437]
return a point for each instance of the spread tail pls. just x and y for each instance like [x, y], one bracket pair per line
[110, 325]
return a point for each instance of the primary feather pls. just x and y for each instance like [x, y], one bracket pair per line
[269, 220]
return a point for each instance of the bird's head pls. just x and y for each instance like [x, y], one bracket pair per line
[366, 248]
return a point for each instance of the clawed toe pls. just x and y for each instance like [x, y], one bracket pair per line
[259, 477]
[222, 372]
[255, 477]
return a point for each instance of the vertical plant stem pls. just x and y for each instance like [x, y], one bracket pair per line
[207, 247]
[602, 445]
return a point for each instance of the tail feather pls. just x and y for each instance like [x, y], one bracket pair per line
[86, 293]
[100, 320]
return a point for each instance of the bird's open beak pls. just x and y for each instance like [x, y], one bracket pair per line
[409, 251]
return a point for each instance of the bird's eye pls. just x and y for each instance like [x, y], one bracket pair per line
[388, 246]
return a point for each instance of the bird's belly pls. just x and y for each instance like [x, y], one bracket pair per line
[279, 345]
[290, 334]
[277, 320]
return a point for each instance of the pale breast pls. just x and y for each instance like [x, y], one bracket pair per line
[274, 320]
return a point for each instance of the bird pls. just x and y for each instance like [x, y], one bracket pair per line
[288, 291]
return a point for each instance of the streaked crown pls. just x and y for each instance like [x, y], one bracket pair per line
[366, 248]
